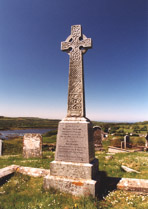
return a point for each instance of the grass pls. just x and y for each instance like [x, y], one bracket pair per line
[26, 122]
[112, 167]
[138, 160]
[15, 146]
[124, 200]
[12, 146]
[44, 162]
[24, 192]
[51, 139]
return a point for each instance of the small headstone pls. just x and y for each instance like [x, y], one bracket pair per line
[97, 132]
[1, 141]
[32, 145]
[146, 143]
[126, 141]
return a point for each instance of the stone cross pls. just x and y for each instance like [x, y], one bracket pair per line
[75, 168]
[76, 45]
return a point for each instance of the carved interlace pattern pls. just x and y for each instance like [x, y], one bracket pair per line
[76, 45]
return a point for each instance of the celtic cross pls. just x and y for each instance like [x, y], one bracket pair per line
[76, 45]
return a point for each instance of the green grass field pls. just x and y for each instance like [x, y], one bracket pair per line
[24, 192]
[7, 123]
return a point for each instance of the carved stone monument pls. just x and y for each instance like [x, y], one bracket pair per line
[32, 145]
[75, 167]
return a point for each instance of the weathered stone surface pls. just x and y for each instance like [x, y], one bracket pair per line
[75, 142]
[32, 145]
[36, 172]
[77, 187]
[76, 45]
[7, 170]
[138, 185]
[74, 170]
[126, 141]
[1, 143]
[129, 170]
[117, 150]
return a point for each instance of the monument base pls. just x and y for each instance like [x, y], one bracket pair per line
[77, 187]
[75, 168]
[74, 178]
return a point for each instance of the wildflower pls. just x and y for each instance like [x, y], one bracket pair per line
[75, 205]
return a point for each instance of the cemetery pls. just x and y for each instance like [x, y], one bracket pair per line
[83, 171]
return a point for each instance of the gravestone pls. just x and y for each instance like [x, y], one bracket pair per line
[75, 168]
[146, 142]
[32, 145]
[97, 132]
[1, 143]
[126, 141]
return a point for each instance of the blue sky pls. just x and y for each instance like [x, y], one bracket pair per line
[34, 71]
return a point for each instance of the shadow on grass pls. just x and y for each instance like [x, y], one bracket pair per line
[105, 184]
[4, 179]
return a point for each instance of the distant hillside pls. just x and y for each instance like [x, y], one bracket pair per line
[123, 128]
[29, 122]
[142, 123]
[26, 122]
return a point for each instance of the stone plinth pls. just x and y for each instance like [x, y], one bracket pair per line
[75, 169]
[32, 145]
[77, 187]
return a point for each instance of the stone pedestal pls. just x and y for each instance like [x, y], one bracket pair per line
[77, 187]
[75, 168]
[74, 178]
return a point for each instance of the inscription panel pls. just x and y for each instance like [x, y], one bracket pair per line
[73, 143]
